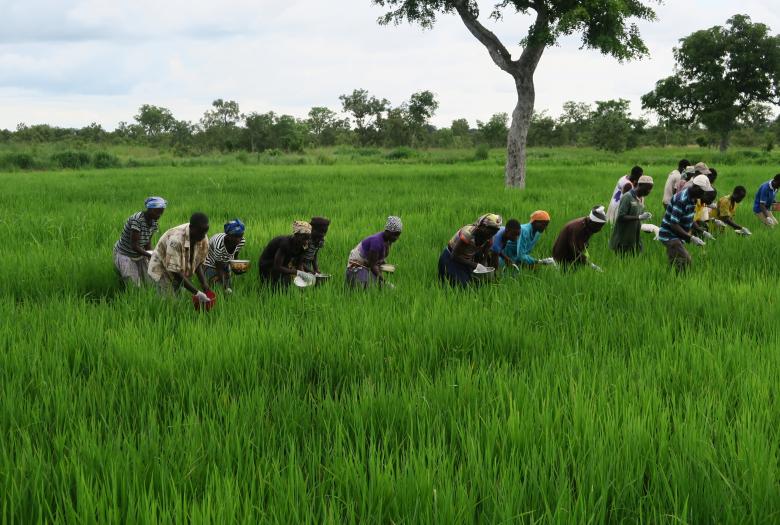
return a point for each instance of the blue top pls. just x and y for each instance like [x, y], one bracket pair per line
[520, 251]
[680, 211]
[766, 196]
[498, 241]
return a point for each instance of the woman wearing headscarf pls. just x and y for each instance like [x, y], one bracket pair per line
[223, 248]
[519, 251]
[469, 250]
[571, 247]
[282, 257]
[366, 259]
[133, 249]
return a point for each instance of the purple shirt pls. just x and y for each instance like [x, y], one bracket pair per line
[374, 243]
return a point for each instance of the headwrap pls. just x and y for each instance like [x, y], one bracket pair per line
[155, 203]
[234, 227]
[645, 179]
[702, 169]
[394, 224]
[319, 222]
[301, 227]
[540, 215]
[491, 220]
[703, 182]
[598, 214]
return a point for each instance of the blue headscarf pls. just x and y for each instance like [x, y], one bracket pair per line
[234, 227]
[153, 203]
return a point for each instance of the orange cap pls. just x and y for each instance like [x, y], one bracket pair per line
[540, 215]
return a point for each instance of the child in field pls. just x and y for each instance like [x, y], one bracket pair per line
[319, 229]
[505, 235]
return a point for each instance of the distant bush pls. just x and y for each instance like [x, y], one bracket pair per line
[17, 161]
[243, 157]
[102, 160]
[325, 160]
[401, 153]
[482, 152]
[71, 159]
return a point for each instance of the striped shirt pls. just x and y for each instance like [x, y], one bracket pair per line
[218, 251]
[138, 223]
[680, 211]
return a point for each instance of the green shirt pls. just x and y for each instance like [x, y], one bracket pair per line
[626, 234]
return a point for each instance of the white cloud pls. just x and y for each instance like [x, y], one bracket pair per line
[71, 62]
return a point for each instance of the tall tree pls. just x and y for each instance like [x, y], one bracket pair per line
[154, 120]
[367, 112]
[604, 25]
[720, 75]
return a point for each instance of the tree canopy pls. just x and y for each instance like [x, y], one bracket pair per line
[722, 75]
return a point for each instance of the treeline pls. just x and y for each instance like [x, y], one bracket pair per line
[367, 121]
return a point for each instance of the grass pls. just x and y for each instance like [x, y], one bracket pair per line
[633, 395]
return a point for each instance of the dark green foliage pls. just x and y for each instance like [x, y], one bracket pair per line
[71, 159]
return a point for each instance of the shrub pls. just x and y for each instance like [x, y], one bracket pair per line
[21, 161]
[71, 159]
[482, 152]
[401, 153]
[103, 160]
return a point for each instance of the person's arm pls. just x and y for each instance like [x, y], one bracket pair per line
[730, 222]
[374, 262]
[279, 264]
[676, 228]
[316, 262]
[763, 209]
[202, 277]
[135, 240]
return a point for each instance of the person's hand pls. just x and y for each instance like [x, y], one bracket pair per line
[719, 223]
[596, 267]
[646, 216]
[771, 220]
[480, 269]
[306, 276]
[698, 242]
[707, 235]
[229, 291]
[202, 297]
[549, 261]
[745, 231]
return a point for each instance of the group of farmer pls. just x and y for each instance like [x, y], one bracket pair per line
[692, 215]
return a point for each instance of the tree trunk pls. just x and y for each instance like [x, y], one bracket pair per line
[514, 175]
[724, 142]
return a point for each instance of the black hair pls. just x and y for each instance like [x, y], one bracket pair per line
[776, 178]
[713, 174]
[513, 224]
[739, 189]
[684, 163]
[636, 171]
[199, 219]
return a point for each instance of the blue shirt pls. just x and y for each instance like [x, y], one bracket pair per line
[520, 250]
[766, 196]
[680, 211]
[498, 241]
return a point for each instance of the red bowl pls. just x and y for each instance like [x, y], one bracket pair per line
[208, 306]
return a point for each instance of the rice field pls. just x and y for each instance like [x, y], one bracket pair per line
[635, 395]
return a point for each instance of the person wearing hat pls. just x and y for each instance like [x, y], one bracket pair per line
[282, 256]
[571, 247]
[133, 249]
[765, 198]
[223, 248]
[365, 259]
[468, 249]
[672, 180]
[626, 235]
[625, 183]
[687, 175]
[319, 229]
[725, 212]
[677, 224]
[519, 251]
[179, 255]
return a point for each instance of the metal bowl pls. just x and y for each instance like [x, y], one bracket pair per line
[239, 266]
[321, 277]
[485, 276]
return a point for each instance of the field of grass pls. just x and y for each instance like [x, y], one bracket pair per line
[632, 395]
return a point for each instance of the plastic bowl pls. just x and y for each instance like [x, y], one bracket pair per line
[239, 266]
[207, 306]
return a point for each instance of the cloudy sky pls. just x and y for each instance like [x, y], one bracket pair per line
[72, 62]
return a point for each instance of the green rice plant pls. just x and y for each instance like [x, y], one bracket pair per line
[636, 395]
